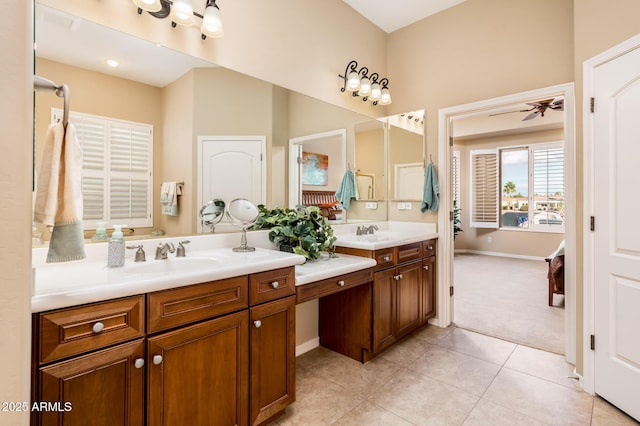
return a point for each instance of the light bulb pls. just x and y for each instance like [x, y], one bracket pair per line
[365, 87]
[148, 5]
[353, 82]
[376, 92]
[182, 13]
[212, 21]
[385, 97]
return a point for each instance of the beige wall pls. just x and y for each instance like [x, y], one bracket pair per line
[16, 118]
[521, 243]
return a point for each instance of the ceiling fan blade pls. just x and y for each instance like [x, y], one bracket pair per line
[509, 112]
[557, 105]
[531, 116]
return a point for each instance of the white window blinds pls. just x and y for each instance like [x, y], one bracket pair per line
[455, 171]
[484, 188]
[548, 185]
[117, 164]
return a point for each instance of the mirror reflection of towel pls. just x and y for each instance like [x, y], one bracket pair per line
[430, 190]
[169, 198]
[347, 190]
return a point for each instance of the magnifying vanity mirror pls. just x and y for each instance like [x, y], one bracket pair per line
[212, 213]
[242, 213]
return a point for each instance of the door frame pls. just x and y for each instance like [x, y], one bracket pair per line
[262, 140]
[445, 225]
[589, 67]
[295, 185]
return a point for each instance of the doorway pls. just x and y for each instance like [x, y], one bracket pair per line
[331, 145]
[447, 117]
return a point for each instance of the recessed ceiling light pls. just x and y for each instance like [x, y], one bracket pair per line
[112, 62]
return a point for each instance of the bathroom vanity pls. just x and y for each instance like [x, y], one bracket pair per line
[210, 338]
[220, 350]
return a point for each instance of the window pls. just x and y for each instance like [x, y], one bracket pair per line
[117, 164]
[527, 184]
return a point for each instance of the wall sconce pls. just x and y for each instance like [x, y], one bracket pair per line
[370, 87]
[181, 13]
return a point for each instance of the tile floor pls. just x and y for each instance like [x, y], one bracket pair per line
[444, 377]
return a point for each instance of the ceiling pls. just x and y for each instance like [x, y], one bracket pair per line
[391, 15]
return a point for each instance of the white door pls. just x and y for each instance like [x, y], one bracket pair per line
[616, 151]
[231, 167]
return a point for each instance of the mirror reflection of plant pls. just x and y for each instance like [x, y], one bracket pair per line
[302, 230]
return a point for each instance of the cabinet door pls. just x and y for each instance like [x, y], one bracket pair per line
[428, 288]
[198, 375]
[105, 387]
[273, 360]
[408, 297]
[384, 309]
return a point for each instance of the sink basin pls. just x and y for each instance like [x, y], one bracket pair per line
[174, 264]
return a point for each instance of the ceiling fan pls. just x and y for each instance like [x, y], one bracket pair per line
[538, 108]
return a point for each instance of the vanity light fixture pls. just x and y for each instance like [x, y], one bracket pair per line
[369, 86]
[181, 13]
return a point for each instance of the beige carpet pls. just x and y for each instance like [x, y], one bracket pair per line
[508, 298]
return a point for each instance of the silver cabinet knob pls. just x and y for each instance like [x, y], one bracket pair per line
[397, 277]
[275, 284]
[341, 283]
[387, 259]
[426, 267]
[257, 323]
[430, 247]
[157, 359]
[97, 327]
[139, 363]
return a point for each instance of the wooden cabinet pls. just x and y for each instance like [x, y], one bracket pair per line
[103, 388]
[198, 375]
[428, 288]
[402, 298]
[215, 353]
[272, 334]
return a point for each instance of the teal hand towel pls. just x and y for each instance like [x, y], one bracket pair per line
[347, 190]
[430, 190]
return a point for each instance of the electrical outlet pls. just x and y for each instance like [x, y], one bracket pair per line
[489, 240]
[371, 206]
[408, 206]
[402, 206]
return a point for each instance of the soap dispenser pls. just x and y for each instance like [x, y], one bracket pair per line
[115, 256]
[101, 232]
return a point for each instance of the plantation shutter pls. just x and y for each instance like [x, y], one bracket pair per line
[548, 178]
[484, 188]
[455, 168]
[117, 164]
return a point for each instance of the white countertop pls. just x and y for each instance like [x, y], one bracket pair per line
[388, 234]
[76, 283]
[327, 267]
[209, 257]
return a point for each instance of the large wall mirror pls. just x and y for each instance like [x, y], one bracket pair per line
[182, 98]
[390, 157]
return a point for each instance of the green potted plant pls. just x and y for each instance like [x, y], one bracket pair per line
[457, 228]
[302, 230]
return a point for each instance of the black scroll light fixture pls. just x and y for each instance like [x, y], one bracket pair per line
[181, 13]
[370, 86]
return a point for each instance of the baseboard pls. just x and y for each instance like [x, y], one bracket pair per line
[307, 346]
[498, 254]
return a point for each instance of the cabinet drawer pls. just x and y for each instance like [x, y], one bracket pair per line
[271, 285]
[171, 308]
[409, 252]
[428, 248]
[332, 285]
[73, 331]
[385, 258]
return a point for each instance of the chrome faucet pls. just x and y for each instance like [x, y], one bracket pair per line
[162, 249]
[364, 230]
